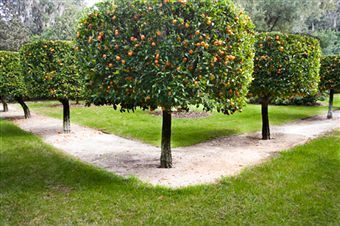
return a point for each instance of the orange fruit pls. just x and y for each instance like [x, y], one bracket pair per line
[118, 58]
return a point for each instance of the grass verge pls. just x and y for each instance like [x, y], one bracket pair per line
[41, 186]
[145, 127]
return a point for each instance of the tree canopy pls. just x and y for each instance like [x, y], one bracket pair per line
[12, 84]
[166, 54]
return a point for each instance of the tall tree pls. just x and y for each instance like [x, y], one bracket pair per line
[20, 19]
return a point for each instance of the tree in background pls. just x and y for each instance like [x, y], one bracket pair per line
[12, 85]
[169, 54]
[285, 66]
[330, 78]
[50, 69]
[317, 17]
[22, 19]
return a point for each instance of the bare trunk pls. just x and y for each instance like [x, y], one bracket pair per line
[330, 105]
[4, 104]
[66, 115]
[24, 107]
[265, 119]
[166, 158]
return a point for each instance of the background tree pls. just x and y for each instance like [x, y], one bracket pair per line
[12, 85]
[330, 78]
[285, 66]
[151, 54]
[20, 20]
[317, 17]
[50, 69]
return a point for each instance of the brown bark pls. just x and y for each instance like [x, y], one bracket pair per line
[66, 115]
[330, 105]
[166, 157]
[265, 119]
[4, 104]
[24, 107]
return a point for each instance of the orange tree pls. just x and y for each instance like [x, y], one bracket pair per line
[285, 65]
[330, 78]
[50, 69]
[167, 54]
[12, 85]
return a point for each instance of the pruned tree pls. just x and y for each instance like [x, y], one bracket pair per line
[167, 54]
[50, 69]
[12, 85]
[330, 78]
[285, 66]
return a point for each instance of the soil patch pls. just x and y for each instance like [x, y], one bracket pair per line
[184, 114]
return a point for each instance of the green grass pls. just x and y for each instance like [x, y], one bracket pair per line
[185, 132]
[41, 186]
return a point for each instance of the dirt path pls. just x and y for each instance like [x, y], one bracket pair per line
[203, 163]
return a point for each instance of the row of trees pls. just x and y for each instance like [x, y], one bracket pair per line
[42, 70]
[138, 54]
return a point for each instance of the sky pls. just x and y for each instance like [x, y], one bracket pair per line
[91, 2]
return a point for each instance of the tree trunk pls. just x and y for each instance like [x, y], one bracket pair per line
[24, 107]
[66, 115]
[166, 158]
[4, 104]
[265, 119]
[330, 105]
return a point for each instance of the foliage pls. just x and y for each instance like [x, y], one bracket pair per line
[51, 70]
[48, 19]
[330, 73]
[141, 54]
[12, 83]
[286, 65]
[297, 187]
[12, 34]
[293, 15]
[329, 41]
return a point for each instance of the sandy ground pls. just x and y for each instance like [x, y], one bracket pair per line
[203, 163]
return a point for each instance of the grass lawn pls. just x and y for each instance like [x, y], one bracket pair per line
[185, 132]
[41, 186]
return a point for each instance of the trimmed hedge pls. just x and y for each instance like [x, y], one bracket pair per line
[142, 54]
[167, 54]
[12, 85]
[330, 73]
[51, 70]
[285, 66]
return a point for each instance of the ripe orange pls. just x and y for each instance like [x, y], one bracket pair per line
[118, 58]
[130, 53]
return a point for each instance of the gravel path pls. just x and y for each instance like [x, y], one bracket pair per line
[203, 163]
